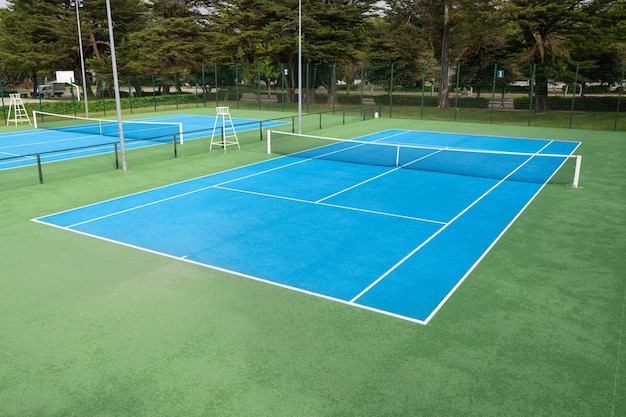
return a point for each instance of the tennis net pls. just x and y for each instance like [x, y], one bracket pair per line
[89, 126]
[511, 166]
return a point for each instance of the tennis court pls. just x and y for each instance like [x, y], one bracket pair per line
[65, 137]
[391, 222]
[91, 327]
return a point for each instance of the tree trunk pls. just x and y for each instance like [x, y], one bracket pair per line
[541, 90]
[444, 84]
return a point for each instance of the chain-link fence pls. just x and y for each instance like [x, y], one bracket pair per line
[573, 96]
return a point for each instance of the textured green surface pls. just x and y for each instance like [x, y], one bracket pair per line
[91, 328]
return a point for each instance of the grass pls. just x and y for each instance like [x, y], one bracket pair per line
[90, 328]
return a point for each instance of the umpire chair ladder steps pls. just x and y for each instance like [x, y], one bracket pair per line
[20, 114]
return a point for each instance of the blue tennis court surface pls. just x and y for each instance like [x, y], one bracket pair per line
[393, 240]
[20, 148]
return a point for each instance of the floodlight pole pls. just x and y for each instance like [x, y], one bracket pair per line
[117, 90]
[77, 4]
[299, 66]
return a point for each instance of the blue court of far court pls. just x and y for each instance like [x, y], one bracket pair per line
[18, 149]
[391, 240]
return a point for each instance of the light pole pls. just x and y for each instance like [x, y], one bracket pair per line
[80, 4]
[116, 84]
[300, 67]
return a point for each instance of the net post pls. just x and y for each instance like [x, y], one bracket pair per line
[175, 150]
[269, 141]
[579, 160]
[261, 130]
[117, 160]
[39, 168]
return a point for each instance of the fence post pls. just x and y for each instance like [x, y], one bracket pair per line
[217, 98]
[177, 87]
[4, 110]
[571, 113]
[391, 91]
[456, 95]
[532, 93]
[362, 83]
[493, 91]
[203, 86]
[258, 85]
[38, 96]
[283, 75]
[423, 91]
[130, 95]
[154, 100]
[282, 85]
[104, 105]
[619, 96]
[333, 86]
[307, 87]
[73, 97]
[237, 84]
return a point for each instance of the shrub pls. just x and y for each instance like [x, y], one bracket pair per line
[604, 103]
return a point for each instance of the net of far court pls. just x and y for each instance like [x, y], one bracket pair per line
[392, 222]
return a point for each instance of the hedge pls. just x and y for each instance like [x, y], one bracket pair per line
[604, 103]
[98, 104]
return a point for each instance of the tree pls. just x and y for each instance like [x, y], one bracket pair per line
[171, 47]
[40, 37]
[35, 39]
[402, 45]
[446, 26]
[247, 30]
[128, 16]
[598, 46]
[545, 28]
[479, 58]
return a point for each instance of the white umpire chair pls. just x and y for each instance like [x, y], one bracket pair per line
[226, 134]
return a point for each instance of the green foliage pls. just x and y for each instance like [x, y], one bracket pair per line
[126, 102]
[573, 38]
[481, 58]
[400, 45]
[169, 47]
[588, 104]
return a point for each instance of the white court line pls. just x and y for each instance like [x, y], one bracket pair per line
[438, 232]
[351, 302]
[379, 176]
[175, 196]
[74, 139]
[184, 258]
[298, 200]
[296, 162]
[11, 155]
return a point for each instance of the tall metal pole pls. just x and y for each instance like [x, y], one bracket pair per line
[299, 66]
[83, 76]
[117, 88]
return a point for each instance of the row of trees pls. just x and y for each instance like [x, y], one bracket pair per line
[180, 37]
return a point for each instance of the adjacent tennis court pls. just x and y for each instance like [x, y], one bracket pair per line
[65, 137]
[391, 222]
